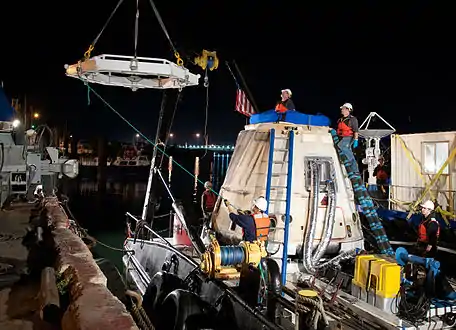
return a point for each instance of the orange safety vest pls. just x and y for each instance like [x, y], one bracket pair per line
[281, 108]
[343, 129]
[422, 230]
[262, 224]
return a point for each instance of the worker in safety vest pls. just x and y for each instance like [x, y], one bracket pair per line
[255, 226]
[284, 105]
[208, 200]
[347, 130]
[428, 232]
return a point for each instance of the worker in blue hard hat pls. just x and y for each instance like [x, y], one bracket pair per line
[255, 226]
[347, 130]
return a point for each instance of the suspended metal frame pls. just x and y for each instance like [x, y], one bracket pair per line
[131, 72]
[373, 153]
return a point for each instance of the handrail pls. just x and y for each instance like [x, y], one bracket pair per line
[164, 240]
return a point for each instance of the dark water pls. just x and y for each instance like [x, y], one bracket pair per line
[100, 207]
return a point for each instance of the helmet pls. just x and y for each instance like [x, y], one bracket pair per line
[287, 90]
[207, 184]
[428, 205]
[261, 203]
[347, 105]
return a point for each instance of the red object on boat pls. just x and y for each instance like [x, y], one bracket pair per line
[180, 235]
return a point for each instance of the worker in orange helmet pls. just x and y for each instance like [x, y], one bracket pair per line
[284, 105]
[428, 232]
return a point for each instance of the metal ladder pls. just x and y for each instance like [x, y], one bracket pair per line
[281, 155]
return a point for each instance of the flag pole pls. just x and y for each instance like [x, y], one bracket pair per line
[232, 74]
[249, 94]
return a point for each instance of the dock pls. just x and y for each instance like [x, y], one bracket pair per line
[33, 275]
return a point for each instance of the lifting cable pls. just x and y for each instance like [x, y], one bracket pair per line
[147, 139]
[136, 27]
[87, 54]
[92, 45]
[180, 62]
[206, 138]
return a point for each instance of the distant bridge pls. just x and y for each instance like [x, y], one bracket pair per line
[210, 147]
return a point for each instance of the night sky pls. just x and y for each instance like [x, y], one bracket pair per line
[397, 60]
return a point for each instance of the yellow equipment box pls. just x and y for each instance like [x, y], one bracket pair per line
[376, 281]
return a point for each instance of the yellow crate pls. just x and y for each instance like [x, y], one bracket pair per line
[362, 269]
[385, 278]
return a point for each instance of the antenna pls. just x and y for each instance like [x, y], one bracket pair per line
[373, 153]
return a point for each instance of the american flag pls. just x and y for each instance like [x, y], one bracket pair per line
[243, 104]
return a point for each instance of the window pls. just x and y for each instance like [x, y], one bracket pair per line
[435, 155]
[324, 167]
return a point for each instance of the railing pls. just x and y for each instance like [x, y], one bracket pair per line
[401, 198]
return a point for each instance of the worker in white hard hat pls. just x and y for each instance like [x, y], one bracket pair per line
[255, 226]
[284, 105]
[428, 231]
[347, 130]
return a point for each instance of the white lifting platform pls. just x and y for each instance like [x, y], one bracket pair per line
[131, 72]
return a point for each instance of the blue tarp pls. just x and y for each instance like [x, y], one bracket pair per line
[6, 110]
[295, 117]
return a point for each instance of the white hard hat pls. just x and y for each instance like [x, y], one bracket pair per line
[347, 105]
[428, 205]
[261, 203]
[207, 184]
[287, 90]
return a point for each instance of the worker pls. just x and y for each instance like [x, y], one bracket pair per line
[428, 232]
[381, 173]
[255, 226]
[347, 130]
[284, 105]
[208, 200]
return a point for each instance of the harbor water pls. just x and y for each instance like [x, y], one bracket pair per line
[100, 205]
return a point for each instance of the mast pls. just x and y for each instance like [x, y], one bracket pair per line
[149, 191]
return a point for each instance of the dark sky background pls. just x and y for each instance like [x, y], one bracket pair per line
[397, 60]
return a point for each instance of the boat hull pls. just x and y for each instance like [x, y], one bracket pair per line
[149, 260]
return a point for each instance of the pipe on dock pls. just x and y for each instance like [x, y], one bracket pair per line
[49, 297]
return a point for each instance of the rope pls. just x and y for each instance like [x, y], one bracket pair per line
[92, 45]
[180, 62]
[146, 138]
[9, 237]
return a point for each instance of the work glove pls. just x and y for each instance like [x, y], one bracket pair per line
[355, 144]
[227, 203]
